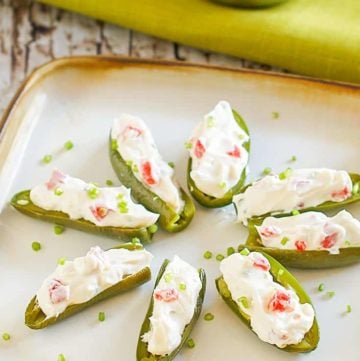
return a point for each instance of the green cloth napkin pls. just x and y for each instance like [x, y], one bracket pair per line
[319, 38]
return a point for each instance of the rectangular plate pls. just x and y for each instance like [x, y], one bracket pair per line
[77, 99]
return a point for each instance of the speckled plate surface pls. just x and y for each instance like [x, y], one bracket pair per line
[77, 99]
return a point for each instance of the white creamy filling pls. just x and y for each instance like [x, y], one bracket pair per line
[276, 314]
[175, 299]
[300, 189]
[83, 278]
[111, 206]
[311, 231]
[217, 152]
[137, 147]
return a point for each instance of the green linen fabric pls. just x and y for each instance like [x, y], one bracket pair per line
[319, 38]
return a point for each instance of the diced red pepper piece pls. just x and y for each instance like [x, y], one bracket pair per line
[329, 240]
[99, 212]
[199, 149]
[262, 263]
[133, 131]
[270, 232]
[168, 295]
[235, 152]
[146, 171]
[341, 194]
[280, 302]
[58, 291]
[57, 177]
[300, 245]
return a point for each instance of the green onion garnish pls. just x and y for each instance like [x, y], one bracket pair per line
[135, 240]
[207, 255]
[293, 159]
[188, 145]
[47, 158]
[230, 251]
[36, 246]
[69, 145]
[6, 336]
[295, 212]
[209, 316]
[285, 174]
[153, 228]
[222, 185]
[190, 343]
[182, 286]
[61, 261]
[245, 252]
[321, 287]
[330, 294]
[58, 229]
[275, 115]
[122, 207]
[109, 182]
[348, 308]
[61, 357]
[266, 171]
[58, 191]
[284, 240]
[171, 164]
[219, 257]
[101, 316]
[244, 302]
[93, 192]
[168, 277]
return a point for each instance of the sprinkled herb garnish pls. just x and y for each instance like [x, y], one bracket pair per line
[284, 240]
[210, 122]
[293, 159]
[135, 240]
[101, 316]
[61, 261]
[6, 336]
[59, 229]
[93, 192]
[285, 174]
[168, 277]
[266, 171]
[275, 115]
[244, 302]
[109, 182]
[171, 164]
[182, 286]
[69, 145]
[245, 252]
[47, 158]
[114, 144]
[123, 207]
[58, 191]
[219, 257]
[330, 294]
[36, 246]
[190, 343]
[295, 212]
[61, 357]
[207, 255]
[153, 228]
[348, 309]
[321, 287]
[120, 196]
[230, 251]
[222, 185]
[188, 145]
[209, 316]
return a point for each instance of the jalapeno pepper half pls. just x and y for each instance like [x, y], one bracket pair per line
[303, 259]
[282, 276]
[169, 219]
[36, 319]
[142, 353]
[210, 201]
[22, 202]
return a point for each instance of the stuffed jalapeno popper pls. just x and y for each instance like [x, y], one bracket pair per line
[219, 151]
[307, 240]
[139, 166]
[173, 311]
[69, 201]
[300, 190]
[77, 284]
[269, 300]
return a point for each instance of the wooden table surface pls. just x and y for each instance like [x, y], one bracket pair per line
[32, 34]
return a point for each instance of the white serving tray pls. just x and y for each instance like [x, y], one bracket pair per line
[77, 99]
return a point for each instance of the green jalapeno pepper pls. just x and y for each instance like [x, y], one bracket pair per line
[36, 319]
[169, 219]
[22, 202]
[142, 353]
[213, 202]
[303, 259]
[329, 205]
[282, 276]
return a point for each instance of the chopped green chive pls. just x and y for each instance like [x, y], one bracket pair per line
[285, 174]
[222, 185]
[280, 272]
[109, 182]
[123, 207]
[230, 251]
[168, 277]
[321, 287]
[58, 191]
[190, 343]
[36, 246]
[330, 294]
[61, 261]
[153, 228]
[182, 286]
[219, 257]
[114, 144]
[47, 158]
[209, 316]
[69, 145]
[266, 171]
[120, 196]
[6, 336]
[207, 255]
[293, 159]
[275, 115]
[356, 188]
[135, 240]
[284, 240]
[245, 252]
[244, 302]
[61, 357]
[93, 192]
[101, 316]
[295, 212]
[171, 164]
[210, 122]
[348, 308]
[22, 202]
[59, 229]
[188, 145]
